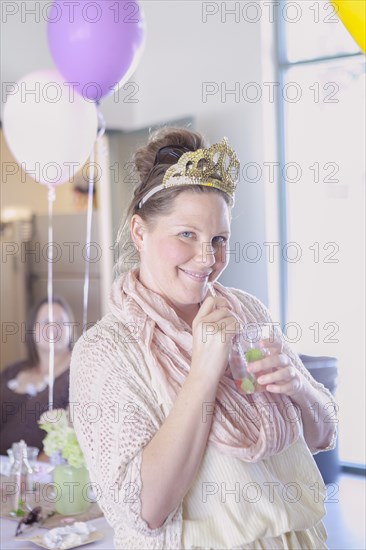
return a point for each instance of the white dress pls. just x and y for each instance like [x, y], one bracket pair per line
[275, 503]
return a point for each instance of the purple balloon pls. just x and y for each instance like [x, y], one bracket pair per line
[96, 45]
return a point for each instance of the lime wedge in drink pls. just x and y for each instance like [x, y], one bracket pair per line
[247, 385]
[253, 354]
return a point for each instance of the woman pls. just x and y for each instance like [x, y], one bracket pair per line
[181, 458]
[24, 385]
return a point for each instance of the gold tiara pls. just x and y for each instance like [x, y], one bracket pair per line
[216, 167]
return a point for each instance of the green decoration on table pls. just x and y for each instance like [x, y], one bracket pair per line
[61, 437]
[64, 477]
[20, 512]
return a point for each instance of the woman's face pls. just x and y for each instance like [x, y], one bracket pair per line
[192, 240]
[59, 331]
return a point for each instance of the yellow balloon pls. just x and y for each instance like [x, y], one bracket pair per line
[353, 15]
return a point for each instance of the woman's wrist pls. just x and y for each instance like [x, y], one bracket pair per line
[207, 379]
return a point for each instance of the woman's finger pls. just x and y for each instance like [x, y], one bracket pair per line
[288, 381]
[289, 388]
[279, 376]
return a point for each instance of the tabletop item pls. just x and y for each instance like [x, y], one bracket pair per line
[64, 538]
[20, 476]
[69, 536]
[32, 454]
[34, 516]
[71, 487]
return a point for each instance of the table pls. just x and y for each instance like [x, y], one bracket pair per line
[8, 526]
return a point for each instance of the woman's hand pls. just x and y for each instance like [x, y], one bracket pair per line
[284, 378]
[213, 329]
[288, 380]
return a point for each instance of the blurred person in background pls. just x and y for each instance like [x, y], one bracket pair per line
[24, 384]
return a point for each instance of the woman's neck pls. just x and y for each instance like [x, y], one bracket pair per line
[189, 318]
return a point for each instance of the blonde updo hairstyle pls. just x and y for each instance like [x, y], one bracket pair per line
[150, 176]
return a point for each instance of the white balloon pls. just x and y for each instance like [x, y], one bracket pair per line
[50, 129]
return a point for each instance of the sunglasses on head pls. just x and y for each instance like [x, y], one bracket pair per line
[170, 154]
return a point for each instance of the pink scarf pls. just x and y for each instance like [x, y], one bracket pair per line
[248, 427]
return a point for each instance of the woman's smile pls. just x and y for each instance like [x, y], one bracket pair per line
[196, 276]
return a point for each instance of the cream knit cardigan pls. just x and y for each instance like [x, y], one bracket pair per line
[115, 414]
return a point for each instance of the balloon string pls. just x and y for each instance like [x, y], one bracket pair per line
[51, 341]
[91, 177]
[101, 122]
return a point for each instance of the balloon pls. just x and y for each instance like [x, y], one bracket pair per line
[96, 45]
[49, 128]
[353, 15]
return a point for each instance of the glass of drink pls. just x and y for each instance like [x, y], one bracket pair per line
[249, 346]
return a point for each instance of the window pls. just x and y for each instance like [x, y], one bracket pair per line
[322, 201]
